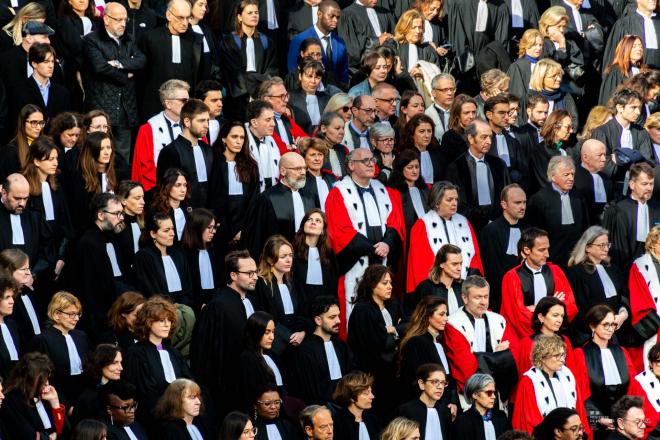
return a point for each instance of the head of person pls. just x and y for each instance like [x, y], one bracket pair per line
[314, 152]
[340, 103]
[105, 364]
[354, 389]
[313, 231]
[406, 171]
[493, 82]
[591, 249]
[200, 229]
[547, 76]
[32, 11]
[31, 375]
[35, 31]
[480, 390]
[159, 231]
[599, 115]
[259, 332]
[30, 125]
[628, 104]
[554, 19]
[173, 94]
[361, 164]
[8, 292]
[42, 59]
[17, 263]
[41, 163]
[652, 126]
[268, 403]
[412, 104]
[534, 246]
[364, 111]
[247, 16]
[276, 257]
[97, 155]
[108, 212]
[401, 428]
[654, 359]
[178, 15]
[557, 128]
[89, 429]
[448, 261]
[418, 132]
[496, 110]
[237, 426]
[310, 74]
[430, 314]
[647, 84]
[549, 353]
[195, 118]
[599, 319]
[332, 127]
[652, 244]
[443, 198]
[537, 109]
[386, 97]
[561, 173]
[629, 418]
[475, 292]
[210, 92]
[374, 65]
[120, 403]
[316, 422]
[97, 120]
[15, 193]
[181, 399]
[172, 190]
[241, 270]
[64, 310]
[124, 310]
[592, 155]
[273, 91]
[410, 27]
[115, 18]
[375, 284]
[324, 310]
[443, 90]
[431, 9]
[261, 117]
[431, 380]
[560, 424]
[328, 15]
[641, 181]
[65, 129]
[198, 10]
[293, 170]
[514, 107]
[131, 193]
[531, 44]
[629, 52]
[548, 315]
[156, 319]
[462, 113]
[479, 134]
[513, 202]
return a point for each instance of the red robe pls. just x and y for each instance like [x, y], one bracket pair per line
[649, 410]
[421, 256]
[341, 232]
[643, 310]
[296, 132]
[524, 354]
[513, 305]
[144, 165]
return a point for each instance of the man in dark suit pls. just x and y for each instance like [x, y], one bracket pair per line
[302, 16]
[480, 177]
[592, 185]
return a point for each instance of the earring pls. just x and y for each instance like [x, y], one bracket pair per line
[255, 414]
[112, 422]
[593, 333]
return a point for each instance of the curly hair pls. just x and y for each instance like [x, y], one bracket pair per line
[154, 309]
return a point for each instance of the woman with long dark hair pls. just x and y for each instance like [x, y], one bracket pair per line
[172, 197]
[13, 156]
[237, 426]
[121, 320]
[444, 280]
[407, 179]
[197, 244]
[462, 112]
[308, 101]
[418, 135]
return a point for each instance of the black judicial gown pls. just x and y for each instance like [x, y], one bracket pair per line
[89, 404]
[9, 161]
[287, 430]
[470, 424]
[417, 410]
[462, 18]
[312, 291]
[429, 288]
[425, 52]
[177, 430]
[150, 273]
[125, 241]
[22, 319]
[610, 82]
[453, 144]
[583, 188]
[6, 364]
[22, 420]
[78, 198]
[124, 339]
[35, 234]
[409, 213]
[202, 296]
[632, 24]
[346, 428]
[255, 374]
[117, 432]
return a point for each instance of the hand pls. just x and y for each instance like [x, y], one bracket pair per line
[453, 409]
[608, 423]
[441, 51]
[504, 345]
[388, 159]
[384, 37]
[620, 318]
[561, 296]
[398, 67]
[382, 249]
[58, 268]
[130, 75]
[416, 72]
[557, 37]
[531, 308]
[390, 329]
[613, 158]
[237, 237]
[297, 338]
[49, 394]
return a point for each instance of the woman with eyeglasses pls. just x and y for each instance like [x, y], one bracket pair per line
[482, 421]
[557, 141]
[179, 412]
[462, 112]
[355, 419]
[547, 385]
[595, 281]
[237, 426]
[546, 80]
[319, 179]
[172, 197]
[269, 422]
[433, 417]
[331, 129]
[119, 404]
[307, 100]
[647, 385]
[65, 345]
[383, 139]
[13, 156]
[560, 423]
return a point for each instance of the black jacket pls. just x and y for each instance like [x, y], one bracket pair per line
[27, 92]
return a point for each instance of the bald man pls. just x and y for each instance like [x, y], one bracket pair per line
[592, 185]
[281, 208]
[20, 228]
[112, 59]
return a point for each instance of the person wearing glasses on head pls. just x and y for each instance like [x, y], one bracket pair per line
[560, 424]
[630, 420]
[482, 421]
[549, 384]
[603, 369]
[118, 400]
[434, 418]
[647, 385]
[65, 345]
[197, 244]
[13, 156]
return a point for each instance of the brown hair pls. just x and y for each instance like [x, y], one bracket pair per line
[87, 162]
[372, 276]
[30, 375]
[300, 248]
[270, 255]
[123, 305]
[40, 149]
[12, 259]
[318, 144]
[408, 132]
[550, 127]
[440, 258]
[161, 200]
[239, 10]
[350, 386]
[21, 138]
[419, 320]
[196, 223]
[154, 309]
[597, 116]
[622, 56]
[170, 404]
[455, 111]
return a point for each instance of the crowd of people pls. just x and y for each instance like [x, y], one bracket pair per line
[318, 219]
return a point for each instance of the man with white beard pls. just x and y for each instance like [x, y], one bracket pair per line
[279, 209]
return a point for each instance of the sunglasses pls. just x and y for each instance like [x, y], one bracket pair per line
[489, 393]
[345, 109]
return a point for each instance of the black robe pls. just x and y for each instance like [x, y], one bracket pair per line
[125, 242]
[27, 92]
[150, 273]
[202, 296]
[583, 188]
[518, 158]
[21, 419]
[89, 403]
[610, 134]
[493, 244]
[21, 317]
[179, 154]
[298, 103]
[603, 396]
[310, 292]
[544, 211]
[6, 364]
[124, 339]
[462, 18]
[78, 198]
[255, 375]
[470, 424]
[520, 72]
[177, 430]
[610, 82]
[116, 432]
[9, 161]
[530, 21]
[35, 235]
[539, 159]
[311, 188]
[425, 52]
[417, 410]
[346, 428]
[409, 213]
[429, 288]
[287, 430]
[453, 144]
[358, 34]
[300, 18]
[633, 24]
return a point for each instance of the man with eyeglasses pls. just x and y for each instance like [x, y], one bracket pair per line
[316, 422]
[112, 59]
[386, 97]
[629, 419]
[356, 133]
[218, 332]
[286, 132]
[120, 405]
[365, 225]
[592, 185]
[280, 209]
[443, 91]
[173, 51]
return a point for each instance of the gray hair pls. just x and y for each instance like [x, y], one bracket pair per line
[351, 154]
[264, 88]
[472, 129]
[558, 161]
[308, 413]
[338, 101]
[473, 281]
[438, 192]
[380, 130]
[168, 89]
[476, 383]
[579, 253]
[436, 79]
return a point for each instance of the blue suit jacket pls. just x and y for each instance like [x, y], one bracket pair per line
[339, 54]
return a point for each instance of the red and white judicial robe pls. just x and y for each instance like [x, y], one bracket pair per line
[151, 138]
[296, 132]
[647, 386]
[514, 309]
[524, 354]
[644, 306]
[428, 235]
[346, 219]
[535, 399]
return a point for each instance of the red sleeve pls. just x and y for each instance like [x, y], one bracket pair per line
[570, 354]
[524, 353]
[582, 411]
[284, 148]
[58, 418]
[581, 373]
[632, 371]
[641, 302]
[340, 228]
[420, 256]
[562, 285]
[513, 306]
[526, 414]
[144, 167]
[475, 262]
[297, 131]
[396, 220]
[459, 354]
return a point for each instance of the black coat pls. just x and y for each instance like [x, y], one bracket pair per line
[255, 374]
[150, 273]
[453, 144]
[583, 188]
[177, 430]
[417, 410]
[6, 364]
[469, 424]
[27, 92]
[22, 419]
[297, 101]
[140, 20]
[312, 291]
[60, 229]
[35, 234]
[346, 428]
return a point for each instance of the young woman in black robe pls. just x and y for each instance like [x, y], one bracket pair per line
[127, 242]
[407, 179]
[482, 420]
[627, 62]
[160, 267]
[556, 133]
[9, 339]
[331, 129]
[66, 346]
[179, 412]
[436, 30]
[354, 419]
[462, 113]
[172, 197]
[418, 136]
[29, 126]
[121, 320]
[410, 36]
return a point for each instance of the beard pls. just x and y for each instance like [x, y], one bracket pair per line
[296, 184]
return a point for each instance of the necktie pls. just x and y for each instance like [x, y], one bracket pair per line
[328, 51]
[566, 211]
[483, 189]
[482, 16]
[441, 113]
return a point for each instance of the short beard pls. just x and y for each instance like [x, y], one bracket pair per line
[296, 184]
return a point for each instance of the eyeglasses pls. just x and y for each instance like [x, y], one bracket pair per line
[390, 101]
[367, 110]
[179, 17]
[558, 357]
[25, 270]
[120, 20]
[367, 161]
[446, 90]
[35, 123]
[249, 273]
[437, 382]
[641, 423]
[270, 402]
[603, 246]
[386, 140]
[297, 169]
[71, 315]
[119, 214]
[125, 408]
[283, 96]
[575, 429]
[489, 393]
[609, 325]
[181, 100]
[252, 432]
[345, 109]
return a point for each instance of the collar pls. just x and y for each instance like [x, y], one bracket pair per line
[645, 17]
[483, 159]
[254, 136]
[364, 133]
[531, 59]
[42, 86]
[582, 165]
[554, 187]
[319, 33]
[533, 271]
[172, 122]
[439, 107]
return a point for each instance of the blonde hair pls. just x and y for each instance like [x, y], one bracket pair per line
[543, 68]
[546, 346]
[653, 121]
[405, 23]
[60, 301]
[306, 144]
[598, 116]
[652, 239]
[399, 429]
[552, 17]
[527, 40]
[492, 82]
[30, 12]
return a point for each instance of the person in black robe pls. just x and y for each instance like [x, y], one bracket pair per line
[301, 17]
[532, 117]
[482, 415]
[417, 135]
[411, 43]
[268, 416]
[355, 399]
[524, 15]
[592, 185]
[121, 320]
[633, 24]
[548, 209]
[317, 372]
[307, 101]
[10, 347]
[217, 335]
[127, 242]
[141, 18]
[278, 210]
[319, 180]
[444, 280]
[621, 69]
[408, 181]
[498, 241]
[463, 111]
[118, 398]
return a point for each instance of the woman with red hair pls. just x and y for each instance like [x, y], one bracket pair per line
[628, 61]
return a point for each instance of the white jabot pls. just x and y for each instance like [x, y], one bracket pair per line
[235, 187]
[610, 370]
[512, 245]
[479, 345]
[287, 303]
[198, 30]
[298, 209]
[551, 104]
[387, 317]
[586, 4]
[205, 270]
[43, 414]
[371, 209]
[180, 220]
[634, 70]
[489, 430]
[540, 288]
[642, 221]
[176, 49]
[363, 433]
[14, 3]
[193, 432]
[482, 16]
[599, 189]
[503, 149]
[626, 138]
[47, 199]
[606, 281]
[171, 274]
[373, 20]
[214, 130]
[200, 165]
[112, 256]
[322, 189]
[166, 363]
[433, 429]
[650, 37]
[271, 16]
[104, 182]
[517, 14]
[276, 371]
[413, 56]
[441, 354]
[314, 272]
[452, 302]
[281, 129]
[483, 188]
[333, 361]
[272, 432]
[251, 65]
[315, 16]
[428, 32]
[9, 342]
[416, 198]
[313, 109]
[249, 309]
[87, 25]
[576, 16]
[29, 307]
[566, 210]
[135, 229]
[129, 432]
[75, 363]
[16, 229]
[426, 167]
